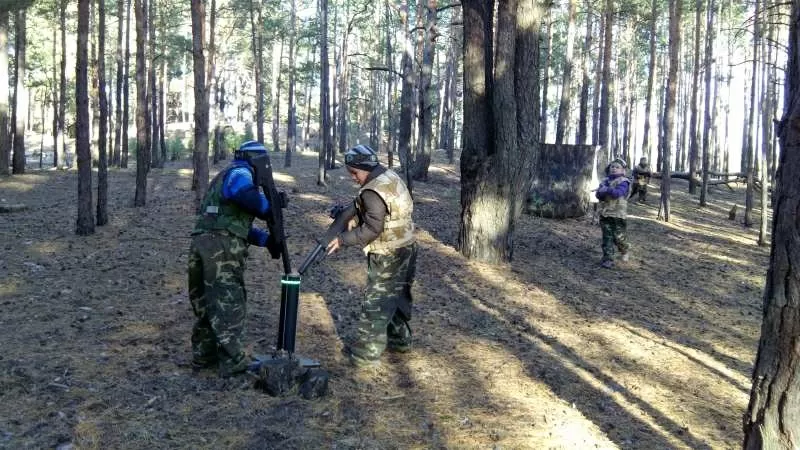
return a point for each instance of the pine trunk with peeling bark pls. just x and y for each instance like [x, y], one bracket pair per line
[772, 420]
[85, 221]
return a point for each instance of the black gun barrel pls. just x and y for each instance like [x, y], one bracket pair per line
[311, 258]
[337, 226]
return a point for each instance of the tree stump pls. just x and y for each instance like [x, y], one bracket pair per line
[563, 180]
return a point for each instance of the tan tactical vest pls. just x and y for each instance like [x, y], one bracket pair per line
[615, 207]
[398, 227]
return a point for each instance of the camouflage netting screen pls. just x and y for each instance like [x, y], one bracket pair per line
[563, 180]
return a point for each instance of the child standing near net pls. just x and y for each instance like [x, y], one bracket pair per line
[613, 194]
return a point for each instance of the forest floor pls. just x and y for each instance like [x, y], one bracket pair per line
[551, 351]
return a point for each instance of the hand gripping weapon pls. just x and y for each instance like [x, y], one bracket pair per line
[284, 372]
[341, 215]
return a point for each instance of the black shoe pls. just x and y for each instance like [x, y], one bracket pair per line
[204, 363]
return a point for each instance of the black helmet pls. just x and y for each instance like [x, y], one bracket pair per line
[361, 157]
[249, 148]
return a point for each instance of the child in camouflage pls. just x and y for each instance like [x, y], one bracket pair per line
[613, 210]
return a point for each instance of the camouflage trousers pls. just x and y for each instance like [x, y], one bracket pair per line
[639, 188]
[386, 309]
[218, 298]
[614, 236]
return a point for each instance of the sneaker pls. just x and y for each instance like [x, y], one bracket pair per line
[625, 257]
[607, 264]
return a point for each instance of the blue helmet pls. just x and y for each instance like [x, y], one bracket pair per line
[249, 149]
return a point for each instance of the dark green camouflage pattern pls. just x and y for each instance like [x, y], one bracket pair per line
[386, 309]
[219, 300]
[614, 236]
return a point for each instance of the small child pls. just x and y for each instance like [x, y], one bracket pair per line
[613, 210]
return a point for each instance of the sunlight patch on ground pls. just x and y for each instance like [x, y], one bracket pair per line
[504, 388]
[21, 183]
[629, 364]
[282, 177]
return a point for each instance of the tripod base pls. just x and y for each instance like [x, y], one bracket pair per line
[282, 375]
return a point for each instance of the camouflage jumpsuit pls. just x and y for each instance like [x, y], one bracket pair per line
[391, 266]
[217, 259]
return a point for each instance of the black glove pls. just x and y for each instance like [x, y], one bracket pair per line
[274, 249]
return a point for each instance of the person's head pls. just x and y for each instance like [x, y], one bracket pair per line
[643, 161]
[616, 167]
[360, 160]
[249, 149]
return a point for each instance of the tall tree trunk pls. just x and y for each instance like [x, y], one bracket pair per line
[500, 116]
[162, 105]
[647, 149]
[125, 91]
[257, 36]
[152, 85]
[5, 136]
[693, 122]
[708, 122]
[85, 220]
[115, 154]
[391, 120]
[669, 104]
[583, 108]
[548, 57]
[566, 84]
[324, 92]
[772, 420]
[211, 79]
[406, 97]
[20, 95]
[291, 130]
[142, 149]
[53, 88]
[275, 91]
[102, 138]
[200, 101]
[605, 93]
[768, 82]
[422, 157]
[751, 122]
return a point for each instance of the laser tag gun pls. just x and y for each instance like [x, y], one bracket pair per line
[277, 202]
[341, 215]
[284, 372]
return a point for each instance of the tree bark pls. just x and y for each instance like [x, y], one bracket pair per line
[102, 139]
[20, 96]
[85, 221]
[708, 122]
[142, 149]
[566, 84]
[200, 101]
[669, 104]
[5, 136]
[291, 126]
[772, 420]
[500, 118]
[651, 75]
[125, 91]
[115, 153]
[324, 92]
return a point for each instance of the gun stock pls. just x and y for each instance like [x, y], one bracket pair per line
[277, 201]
